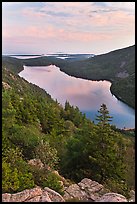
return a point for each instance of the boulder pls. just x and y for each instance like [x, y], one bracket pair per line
[112, 197]
[33, 195]
[74, 191]
[45, 197]
[53, 195]
[25, 195]
[86, 190]
[35, 199]
[6, 197]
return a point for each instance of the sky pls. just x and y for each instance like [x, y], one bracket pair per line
[67, 27]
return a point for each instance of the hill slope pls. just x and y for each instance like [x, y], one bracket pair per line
[35, 126]
[117, 66]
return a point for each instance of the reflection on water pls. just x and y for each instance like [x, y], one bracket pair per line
[86, 94]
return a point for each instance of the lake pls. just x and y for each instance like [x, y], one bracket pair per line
[87, 95]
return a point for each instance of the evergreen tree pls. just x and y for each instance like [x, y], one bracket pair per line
[104, 117]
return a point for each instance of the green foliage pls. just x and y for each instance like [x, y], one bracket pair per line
[10, 181]
[96, 153]
[54, 183]
[117, 186]
[107, 154]
[26, 137]
[46, 154]
[124, 90]
[39, 175]
[35, 126]
[129, 159]
[45, 178]
[15, 172]
[73, 114]
[57, 140]
[8, 111]
[12, 63]
[104, 117]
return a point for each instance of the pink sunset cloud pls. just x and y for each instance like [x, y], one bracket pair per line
[50, 33]
[83, 24]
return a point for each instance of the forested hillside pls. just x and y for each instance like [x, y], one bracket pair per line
[35, 126]
[117, 66]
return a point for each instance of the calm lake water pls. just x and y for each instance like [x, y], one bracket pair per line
[87, 95]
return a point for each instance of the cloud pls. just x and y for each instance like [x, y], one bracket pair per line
[49, 13]
[49, 32]
[123, 6]
[71, 23]
[78, 16]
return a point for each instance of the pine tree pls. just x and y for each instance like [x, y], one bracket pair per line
[104, 117]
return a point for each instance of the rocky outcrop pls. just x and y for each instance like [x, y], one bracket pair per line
[92, 191]
[86, 191]
[33, 195]
[22, 196]
[112, 197]
[54, 196]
